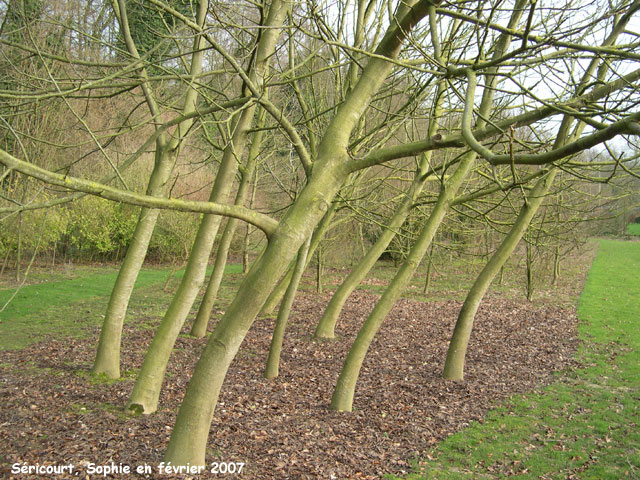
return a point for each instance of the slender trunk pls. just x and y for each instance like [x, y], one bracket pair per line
[427, 281]
[248, 229]
[361, 237]
[454, 364]
[6, 256]
[19, 249]
[278, 292]
[319, 269]
[245, 250]
[529, 270]
[342, 399]
[326, 325]
[273, 361]
[556, 266]
[189, 437]
[487, 244]
[146, 391]
[165, 286]
[199, 327]
[107, 360]
[108, 356]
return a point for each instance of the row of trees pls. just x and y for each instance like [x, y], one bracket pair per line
[388, 123]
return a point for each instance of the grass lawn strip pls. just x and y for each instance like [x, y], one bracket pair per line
[633, 229]
[586, 425]
[52, 307]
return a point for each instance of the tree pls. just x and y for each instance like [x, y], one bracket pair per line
[454, 365]
[107, 359]
[349, 89]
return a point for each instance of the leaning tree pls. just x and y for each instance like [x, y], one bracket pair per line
[399, 89]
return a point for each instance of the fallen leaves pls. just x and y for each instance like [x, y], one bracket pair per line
[283, 429]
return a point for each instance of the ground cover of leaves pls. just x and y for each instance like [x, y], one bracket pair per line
[51, 413]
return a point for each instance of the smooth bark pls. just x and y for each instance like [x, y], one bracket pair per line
[319, 270]
[529, 270]
[107, 359]
[343, 393]
[146, 391]
[199, 327]
[248, 229]
[273, 360]
[427, 280]
[189, 436]
[454, 364]
[342, 399]
[556, 266]
[275, 297]
[326, 325]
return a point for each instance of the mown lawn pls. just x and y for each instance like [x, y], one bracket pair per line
[633, 229]
[64, 304]
[587, 425]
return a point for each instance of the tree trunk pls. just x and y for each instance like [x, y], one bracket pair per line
[454, 364]
[248, 230]
[361, 238]
[189, 437]
[176, 267]
[319, 270]
[487, 244]
[326, 325]
[556, 266]
[19, 249]
[529, 270]
[245, 250]
[342, 399]
[427, 280]
[107, 359]
[6, 256]
[199, 327]
[273, 361]
[146, 391]
[278, 292]
[144, 398]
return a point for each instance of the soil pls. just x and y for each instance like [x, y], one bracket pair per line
[53, 414]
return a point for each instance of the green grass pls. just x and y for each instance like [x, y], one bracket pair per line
[452, 276]
[587, 425]
[633, 229]
[64, 306]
